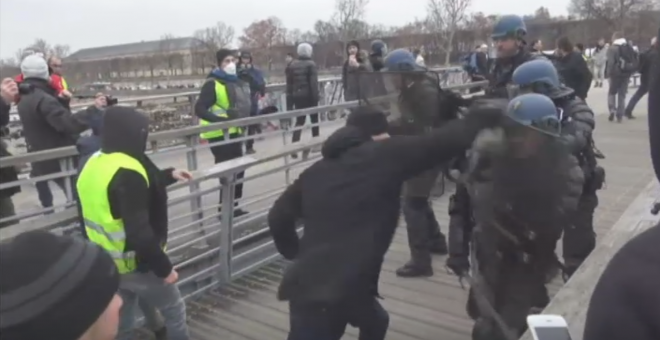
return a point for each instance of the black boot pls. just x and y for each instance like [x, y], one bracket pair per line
[439, 247]
[411, 269]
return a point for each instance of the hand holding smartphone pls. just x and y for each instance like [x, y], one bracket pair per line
[548, 327]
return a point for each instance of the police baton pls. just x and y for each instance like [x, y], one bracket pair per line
[486, 307]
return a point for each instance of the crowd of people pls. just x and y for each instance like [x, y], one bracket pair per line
[530, 175]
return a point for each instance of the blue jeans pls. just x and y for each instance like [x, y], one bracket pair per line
[316, 322]
[155, 293]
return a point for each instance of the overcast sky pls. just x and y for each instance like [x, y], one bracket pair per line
[93, 23]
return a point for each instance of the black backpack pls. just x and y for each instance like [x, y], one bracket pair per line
[628, 58]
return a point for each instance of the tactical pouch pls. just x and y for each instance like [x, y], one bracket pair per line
[597, 179]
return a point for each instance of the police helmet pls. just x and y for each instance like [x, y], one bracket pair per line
[534, 111]
[378, 47]
[509, 26]
[401, 60]
[539, 76]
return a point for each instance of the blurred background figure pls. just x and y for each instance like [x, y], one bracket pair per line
[598, 62]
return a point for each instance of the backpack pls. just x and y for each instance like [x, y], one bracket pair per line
[628, 58]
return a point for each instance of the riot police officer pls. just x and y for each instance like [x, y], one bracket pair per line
[420, 111]
[540, 76]
[509, 38]
[524, 185]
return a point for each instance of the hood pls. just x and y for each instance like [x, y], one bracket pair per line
[222, 76]
[341, 140]
[29, 84]
[353, 43]
[125, 130]
[304, 50]
[619, 42]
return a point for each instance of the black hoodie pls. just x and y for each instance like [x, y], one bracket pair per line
[142, 208]
[349, 202]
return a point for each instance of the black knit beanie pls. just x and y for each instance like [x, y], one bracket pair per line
[222, 54]
[369, 120]
[53, 287]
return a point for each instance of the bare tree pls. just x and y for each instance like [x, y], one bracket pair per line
[613, 12]
[168, 53]
[41, 46]
[347, 15]
[60, 51]
[261, 36]
[445, 18]
[208, 41]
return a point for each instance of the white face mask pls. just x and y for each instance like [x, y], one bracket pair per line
[230, 69]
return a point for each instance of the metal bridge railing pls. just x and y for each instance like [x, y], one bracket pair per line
[206, 252]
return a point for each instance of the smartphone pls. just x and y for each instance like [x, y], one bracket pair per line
[548, 327]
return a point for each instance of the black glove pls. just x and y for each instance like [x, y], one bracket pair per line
[458, 264]
[486, 113]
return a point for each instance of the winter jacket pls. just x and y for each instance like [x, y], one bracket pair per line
[302, 80]
[253, 76]
[49, 125]
[625, 303]
[238, 95]
[646, 64]
[349, 203]
[57, 85]
[654, 110]
[575, 73]
[356, 86]
[142, 208]
[613, 59]
[7, 174]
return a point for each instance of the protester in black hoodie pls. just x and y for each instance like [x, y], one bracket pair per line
[625, 304]
[349, 203]
[573, 68]
[136, 195]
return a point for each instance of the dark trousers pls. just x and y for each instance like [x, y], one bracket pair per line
[45, 194]
[580, 238]
[304, 103]
[316, 322]
[642, 90]
[252, 130]
[616, 95]
[513, 287]
[225, 152]
[423, 229]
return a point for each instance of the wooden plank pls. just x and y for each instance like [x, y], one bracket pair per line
[572, 300]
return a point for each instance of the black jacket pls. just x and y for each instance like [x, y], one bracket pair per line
[207, 98]
[302, 80]
[654, 111]
[349, 203]
[646, 60]
[8, 174]
[355, 84]
[578, 123]
[143, 209]
[47, 124]
[575, 73]
[625, 304]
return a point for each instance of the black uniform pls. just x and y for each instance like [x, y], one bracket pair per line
[579, 236]
[519, 208]
[421, 112]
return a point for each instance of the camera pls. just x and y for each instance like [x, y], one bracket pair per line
[110, 100]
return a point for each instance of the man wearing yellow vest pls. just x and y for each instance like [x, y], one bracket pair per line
[224, 97]
[123, 200]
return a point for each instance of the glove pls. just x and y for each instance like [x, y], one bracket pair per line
[458, 264]
[486, 113]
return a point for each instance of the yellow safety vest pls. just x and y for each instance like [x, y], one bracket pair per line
[65, 86]
[219, 109]
[101, 227]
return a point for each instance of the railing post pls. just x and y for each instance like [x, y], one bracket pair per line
[66, 164]
[195, 202]
[226, 228]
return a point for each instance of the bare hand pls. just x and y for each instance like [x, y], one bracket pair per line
[8, 90]
[182, 175]
[65, 94]
[353, 62]
[172, 278]
[100, 101]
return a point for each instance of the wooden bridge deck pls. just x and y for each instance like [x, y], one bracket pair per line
[424, 308]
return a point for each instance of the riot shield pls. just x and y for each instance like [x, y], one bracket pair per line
[399, 95]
